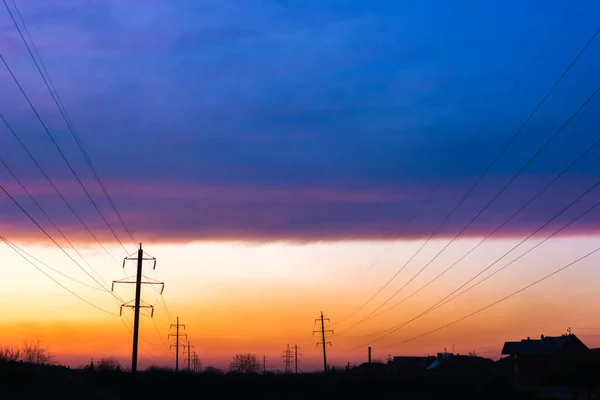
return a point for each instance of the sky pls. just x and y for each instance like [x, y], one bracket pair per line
[283, 158]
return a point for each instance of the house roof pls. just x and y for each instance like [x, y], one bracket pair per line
[412, 362]
[442, 357]
[545, 345]
[471, 365]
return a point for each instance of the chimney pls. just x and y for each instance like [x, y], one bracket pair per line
[369, 354]
[542, 337]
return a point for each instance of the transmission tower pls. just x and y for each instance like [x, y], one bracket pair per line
[177, 335]
[197, 364]
[296, 355]
[189, 356]
[323, 341]
[288, 357]
[136, 306]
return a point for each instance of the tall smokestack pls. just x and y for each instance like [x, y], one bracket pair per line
[369, 354]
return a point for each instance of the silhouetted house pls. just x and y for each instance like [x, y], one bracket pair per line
[371, 369]
[466, 368]
[407, 366]
[505, 367]
[595, 357]
[548, 359]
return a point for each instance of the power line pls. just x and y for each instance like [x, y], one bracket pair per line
[55, 281]
[51, 238]
[59, 104]
[39, 167]
[161, 296]
[56, 243]
[448, 297]
[160, 335]
[525, 253]
[457, 160]
[129, 329]
[539, 193]
[61, 152]
[19, 249]
[506, 146]
[406, 223]
[500, 300]
[48, 217]
[164, 307]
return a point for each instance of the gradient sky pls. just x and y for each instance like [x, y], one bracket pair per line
[278, 158]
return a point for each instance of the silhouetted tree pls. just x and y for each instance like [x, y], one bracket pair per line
[35, 353]
[9, 353]
[158, 368]
[90, 366]
[109, 364]
[245, 364]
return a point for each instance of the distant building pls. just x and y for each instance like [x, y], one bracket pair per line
[463, 368]
[548, 359]
[407, 366]
[371, 369]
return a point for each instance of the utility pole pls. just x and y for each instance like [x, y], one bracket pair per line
[189, 347]
[196, 362]
[177, 345]
[287, 356]
[139, 258]
[323, 341]
[296, 358]
[264, 364]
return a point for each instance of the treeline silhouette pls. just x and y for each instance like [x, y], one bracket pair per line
[30, 352]
[24, 380]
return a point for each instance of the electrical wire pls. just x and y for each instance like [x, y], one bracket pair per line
[531, 200]
[514, 177]
[448, 297]
[55, 281]
[48, 217]
[19, 249]
[506, 146]
[498, 301]
[160, 297]
[457, 160]
[60, 151]
[161, 337]
[53, 240]
[58, 192]
[59, 104]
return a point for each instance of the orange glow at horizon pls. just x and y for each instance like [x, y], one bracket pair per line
[239, 297]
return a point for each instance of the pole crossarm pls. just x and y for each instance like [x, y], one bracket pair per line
[151, 307]
[180, 335]
[112, 289]
[131, 257]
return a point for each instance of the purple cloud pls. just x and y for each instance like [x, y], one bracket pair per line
[297, 121]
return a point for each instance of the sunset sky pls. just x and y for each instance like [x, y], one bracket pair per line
[283, 158]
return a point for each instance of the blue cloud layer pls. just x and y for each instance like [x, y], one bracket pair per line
[357, 109]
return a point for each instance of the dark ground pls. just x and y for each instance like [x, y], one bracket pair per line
[29, 381]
